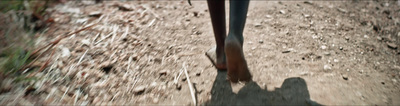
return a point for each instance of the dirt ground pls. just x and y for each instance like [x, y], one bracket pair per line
[299, 53]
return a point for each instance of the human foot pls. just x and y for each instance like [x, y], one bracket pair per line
[217, 57]
[236, 63]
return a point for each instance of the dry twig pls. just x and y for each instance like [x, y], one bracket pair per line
[190, 85]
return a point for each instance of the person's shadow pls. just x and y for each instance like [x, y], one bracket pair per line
[292, 92]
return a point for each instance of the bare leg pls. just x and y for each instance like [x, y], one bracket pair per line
[236, 63]
[217, 13]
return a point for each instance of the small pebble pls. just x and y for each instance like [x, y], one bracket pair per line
[286, 51]
[268, 16]
[163, 72]
[178, 86]
[155, 100]
[95, 14]
[282, 11]
[307, 2]
[306, 15]
[379, 38]
[327, 53]
[261, 41]
[327, 67]
[139, 89]
[345, 77]
[392, 45]
[340, 48]
[346, 37]
[198, 73]
[323, 47]
[342, 10]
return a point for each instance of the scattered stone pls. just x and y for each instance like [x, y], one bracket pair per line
[81, 21]
[394, 80]
[85, 42]
[155, 100]
[306, 16]
[198, 73]
[342, 10]
[383, 83]
[260, 41]
[125, 7]
[327, 53]
[153, 84]
[340, 48]
[95, 14]
[178, 86]
[308, 2]
[379, 38]
[391, 45]
[345, 77]
[139, 90]
[269, 16]
[258, 25]
[184, 79]
[346, 37]
[323, 47]
[65, 52]
[335, 60]
[282, 12]
[163, 72]
[286, 51]
[327, 67]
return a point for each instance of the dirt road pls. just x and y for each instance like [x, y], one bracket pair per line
[316, 53]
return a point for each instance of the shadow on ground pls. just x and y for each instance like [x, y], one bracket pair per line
[292, 92]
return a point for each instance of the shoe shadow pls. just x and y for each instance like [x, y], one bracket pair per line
[292, 92]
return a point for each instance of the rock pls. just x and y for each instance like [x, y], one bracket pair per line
[379, 38]
[394, 80]
[342, 10]
[306, 16]
[65, 52]
[82, 20]
[286, 51]
[327, 67]
[391, 45]
[125, 7]
[327, 53]
[153, 84]
[85, 42]
[269, 16]
[258, 25]
[340, 48]
[95, 14]
[260, 41]
[335, 60]
[346, 37]
[139, 89]
[163, 72]
[308, 2]
[178, 86]
[282, 12]
[198, 73]
[323, 47]
[155, 100]
[345, 77]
